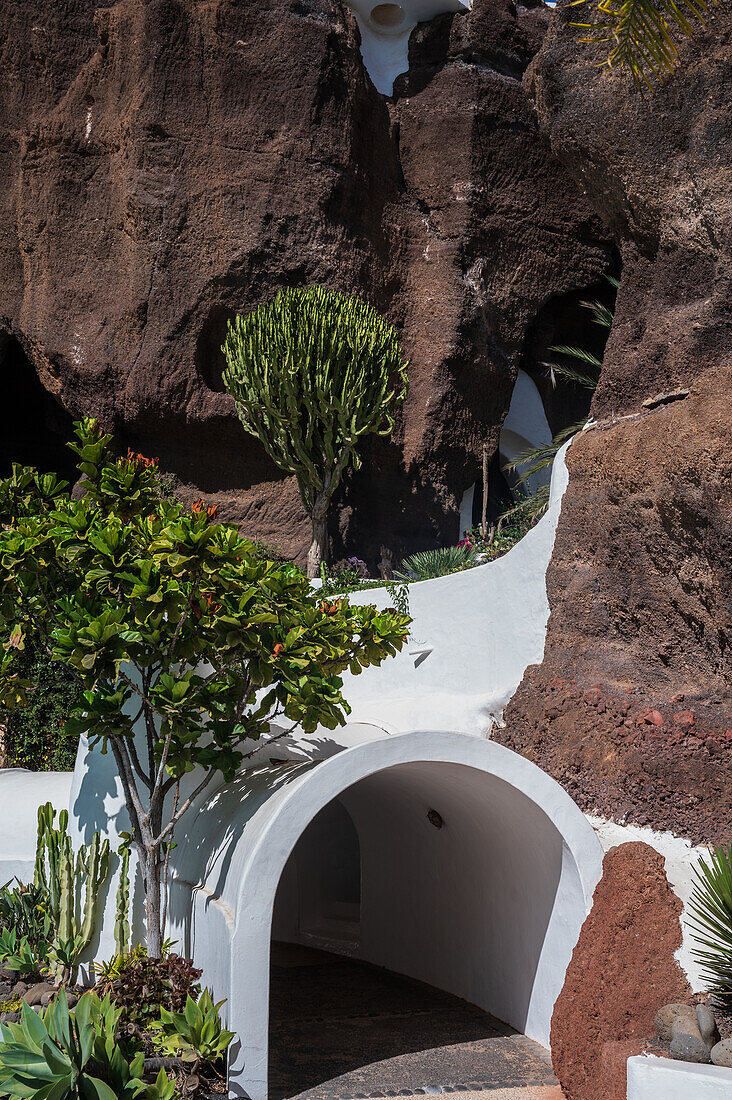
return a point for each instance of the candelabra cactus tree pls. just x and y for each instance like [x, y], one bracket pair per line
[313, 372]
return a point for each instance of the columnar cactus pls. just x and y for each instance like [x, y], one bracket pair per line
[312, 372]
[122, 918]
[61, 874]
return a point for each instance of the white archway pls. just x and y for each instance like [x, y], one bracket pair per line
[488, 907]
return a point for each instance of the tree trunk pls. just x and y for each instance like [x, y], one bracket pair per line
[317, 551]
[484, 511]
[152, 868]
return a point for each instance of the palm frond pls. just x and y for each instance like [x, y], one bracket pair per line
[564, 370]
[644, 34]
[711, 923]
[538, 458]
[601, 315]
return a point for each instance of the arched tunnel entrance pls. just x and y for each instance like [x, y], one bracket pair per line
[408, 926]
[36, 428]
[439, 871]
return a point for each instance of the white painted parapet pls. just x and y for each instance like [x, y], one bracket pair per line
[651, 1078]
[474, 635]
[680, 858]
[21, 793]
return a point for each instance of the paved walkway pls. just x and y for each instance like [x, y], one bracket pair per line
[342, 1030]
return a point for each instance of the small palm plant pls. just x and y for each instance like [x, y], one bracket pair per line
[711, 926]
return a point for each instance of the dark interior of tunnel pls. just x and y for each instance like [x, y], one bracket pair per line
[37, 428]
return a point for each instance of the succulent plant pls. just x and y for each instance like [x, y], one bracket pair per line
[195, 1034]
[313, 372]
[63, 1055]
[58, 872]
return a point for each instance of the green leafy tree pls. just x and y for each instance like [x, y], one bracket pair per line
[643, 35]
[313, 372]
[184, 646]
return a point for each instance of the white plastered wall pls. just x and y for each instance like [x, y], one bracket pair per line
[473, 636]
[21, 794]
[525, 426]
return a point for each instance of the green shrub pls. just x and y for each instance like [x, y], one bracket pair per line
[145, 985]
[35, 737]
[711, 926]
[437, 563]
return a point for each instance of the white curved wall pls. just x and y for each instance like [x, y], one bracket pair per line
[474, 634]
[489, 907]
[21, 793]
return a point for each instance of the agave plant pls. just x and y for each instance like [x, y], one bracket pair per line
[711, 926]
[195, 1034]
[437, 563]
[17, 953]
[72, 1056]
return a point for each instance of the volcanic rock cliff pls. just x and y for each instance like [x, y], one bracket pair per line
[631, 709]
[164, 165]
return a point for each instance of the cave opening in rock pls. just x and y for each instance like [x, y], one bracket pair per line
[209, 358]
[37, 427]
[546, 401]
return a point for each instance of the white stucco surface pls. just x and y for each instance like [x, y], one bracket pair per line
[680, 857]
[525, 426]
[474, 634]
[488, 907]
[385, 29]
[21, 794]
[651, 1078]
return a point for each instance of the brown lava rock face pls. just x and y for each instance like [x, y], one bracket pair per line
[640, 580]
[166, 164]
[622, 971]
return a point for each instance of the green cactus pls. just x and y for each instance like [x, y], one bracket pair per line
[312, 372]
[122, 919]
[63, 876]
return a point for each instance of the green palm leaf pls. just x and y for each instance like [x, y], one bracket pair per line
[711, 923]
[644, 34]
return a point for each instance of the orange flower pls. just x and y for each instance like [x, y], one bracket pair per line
[212, 510]
[279, 648]
[140, 460]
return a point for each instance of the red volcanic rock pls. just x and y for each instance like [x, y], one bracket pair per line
[650, 717]
[621, 972]
[641, 574]
[685, 719]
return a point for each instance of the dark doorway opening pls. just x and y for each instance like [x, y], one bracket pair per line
[36, 428]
